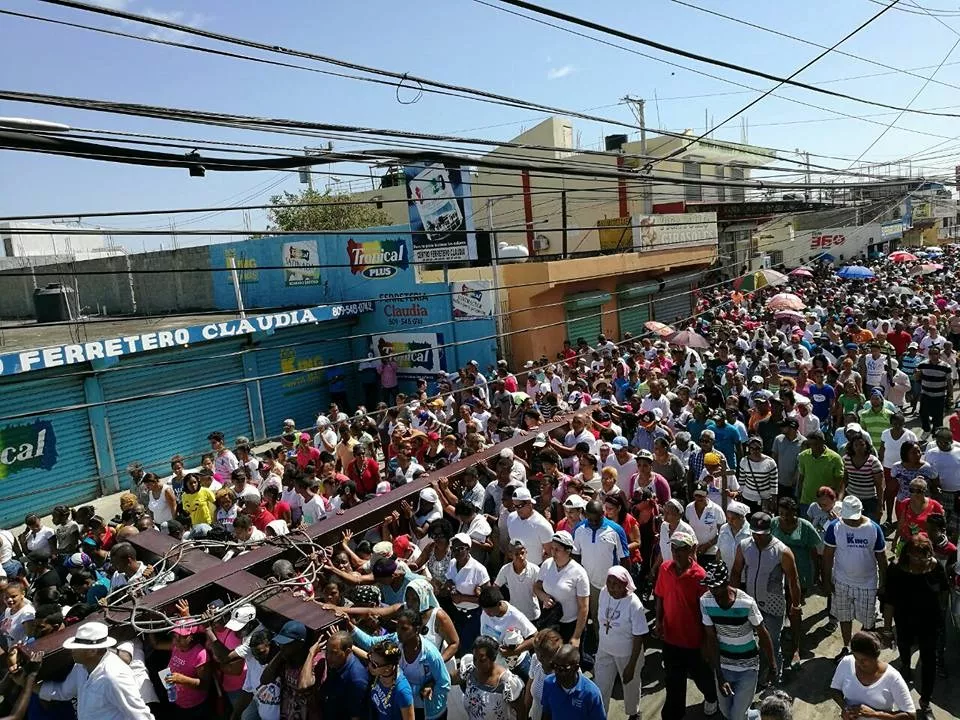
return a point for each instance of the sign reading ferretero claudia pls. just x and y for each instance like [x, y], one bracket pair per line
[61, 355]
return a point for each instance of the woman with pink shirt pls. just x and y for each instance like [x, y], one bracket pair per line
[189, 671]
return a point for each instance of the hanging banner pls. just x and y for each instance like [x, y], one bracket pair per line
[417, 354]
[438, 222]
[472, 299]
[675, 230]
[300, 259]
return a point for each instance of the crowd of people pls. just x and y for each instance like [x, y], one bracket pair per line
[692, 502]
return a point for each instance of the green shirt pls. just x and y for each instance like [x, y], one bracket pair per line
[815, 472]
[875, 422]
[801, 541]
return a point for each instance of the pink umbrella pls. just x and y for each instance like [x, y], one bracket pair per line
[689, 338]
[785, 301]
[801, 272]
[902, 256]
[926, 269]
[788, 315]
[659, 328]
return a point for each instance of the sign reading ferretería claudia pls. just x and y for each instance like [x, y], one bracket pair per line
[62, 355]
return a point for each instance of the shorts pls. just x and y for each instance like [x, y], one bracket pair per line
[852, 602]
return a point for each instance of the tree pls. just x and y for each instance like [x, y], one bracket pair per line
[312, 210]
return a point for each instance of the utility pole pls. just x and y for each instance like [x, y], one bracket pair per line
[637, 107]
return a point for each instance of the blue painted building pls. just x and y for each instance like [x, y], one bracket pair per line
[73, 416]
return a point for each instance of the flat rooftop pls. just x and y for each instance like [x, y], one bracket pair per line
[17, 335]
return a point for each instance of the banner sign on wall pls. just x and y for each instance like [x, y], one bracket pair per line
[58, 356]
[418, 353]
[891, 230]
[675, 230]
[472, 299]
[377, 259]
[437, 217]
[29, 446]
[300, 260]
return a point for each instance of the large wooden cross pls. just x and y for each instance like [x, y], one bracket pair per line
[208, 576]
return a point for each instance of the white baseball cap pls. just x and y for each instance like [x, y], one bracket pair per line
[241, 616]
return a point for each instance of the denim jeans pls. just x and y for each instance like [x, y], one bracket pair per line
[774, 625]
[744, 686]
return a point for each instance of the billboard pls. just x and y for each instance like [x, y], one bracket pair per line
[675, 230]
[892, 230]
[472, 299]
[418, 354]
[300, 260]
[438, 216]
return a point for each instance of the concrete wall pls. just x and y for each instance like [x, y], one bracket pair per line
[120, 292]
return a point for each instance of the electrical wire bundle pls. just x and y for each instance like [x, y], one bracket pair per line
[129, 599]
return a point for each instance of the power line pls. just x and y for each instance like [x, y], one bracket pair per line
[780, 83]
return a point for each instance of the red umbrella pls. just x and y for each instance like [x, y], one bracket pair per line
[689, 338]
[801, 272]
[902, 256]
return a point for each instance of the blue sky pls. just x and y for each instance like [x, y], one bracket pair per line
[463, 42]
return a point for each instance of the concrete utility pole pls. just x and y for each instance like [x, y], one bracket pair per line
[637, 107]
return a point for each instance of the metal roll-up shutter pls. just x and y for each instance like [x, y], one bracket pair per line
[633, 306]
[47, 459]
[152, 430]
[584, 315]
[675, 301]
[302, 396]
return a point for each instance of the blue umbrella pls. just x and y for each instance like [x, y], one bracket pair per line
[855, 272]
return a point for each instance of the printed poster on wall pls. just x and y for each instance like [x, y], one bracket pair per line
[437, 216]
[30, 446]
[300, 259]
[473, 299]
[419, 354]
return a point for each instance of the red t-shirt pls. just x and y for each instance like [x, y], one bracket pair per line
[262, 519]
[308, 455]
[912, 523]
[366, 477]
[680, 594]
[570, 357]
[955, 427]
[899, 340]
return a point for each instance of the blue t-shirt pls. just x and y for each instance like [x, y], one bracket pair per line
[726, 439]
[820, 399]
[388, 702]
[696, 427]
[583, 702]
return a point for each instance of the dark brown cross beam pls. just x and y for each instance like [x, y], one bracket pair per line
[208, 575]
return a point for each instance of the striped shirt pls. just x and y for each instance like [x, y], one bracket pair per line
[934, 379]
[736, 630]
[758, 478]
[909, 363]
[859, 480]
[875, 423]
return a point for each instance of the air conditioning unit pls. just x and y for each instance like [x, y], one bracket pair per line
[541, 243]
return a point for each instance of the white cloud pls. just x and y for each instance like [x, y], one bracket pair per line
[180, 17]
[560, 72]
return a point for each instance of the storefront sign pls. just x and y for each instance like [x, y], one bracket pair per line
[377, 259]
[417, 353]
[472, 299]
[25, 447]
[437, 218]
[675, 230]
[59, 356]
[616, 233]
[404, 309]
[891, 230]
[300, 260]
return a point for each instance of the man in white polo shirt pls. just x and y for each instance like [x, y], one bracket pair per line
[599, 544]
[528, 526]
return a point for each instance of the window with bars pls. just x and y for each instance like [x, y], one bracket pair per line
[692, 192]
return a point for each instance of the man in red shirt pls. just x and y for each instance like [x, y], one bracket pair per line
[680, 628]
[259, 515]
[899, 338]
[364, 471]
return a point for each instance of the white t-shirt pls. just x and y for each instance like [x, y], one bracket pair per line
[707, 525]
[565, 586]
[313, 510]
[521, 588]
[405, 476]
[855, 559]
[13, 623]
[6, 546]
[947, 466]
[666, 550]
[571, 440]
[467, 580]
[888, 694]
[619, 621]
[293, 499]
[624, 472]
[496, 627]
[479, 528]
[40, 539]
[534, 533]
[891, 447]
